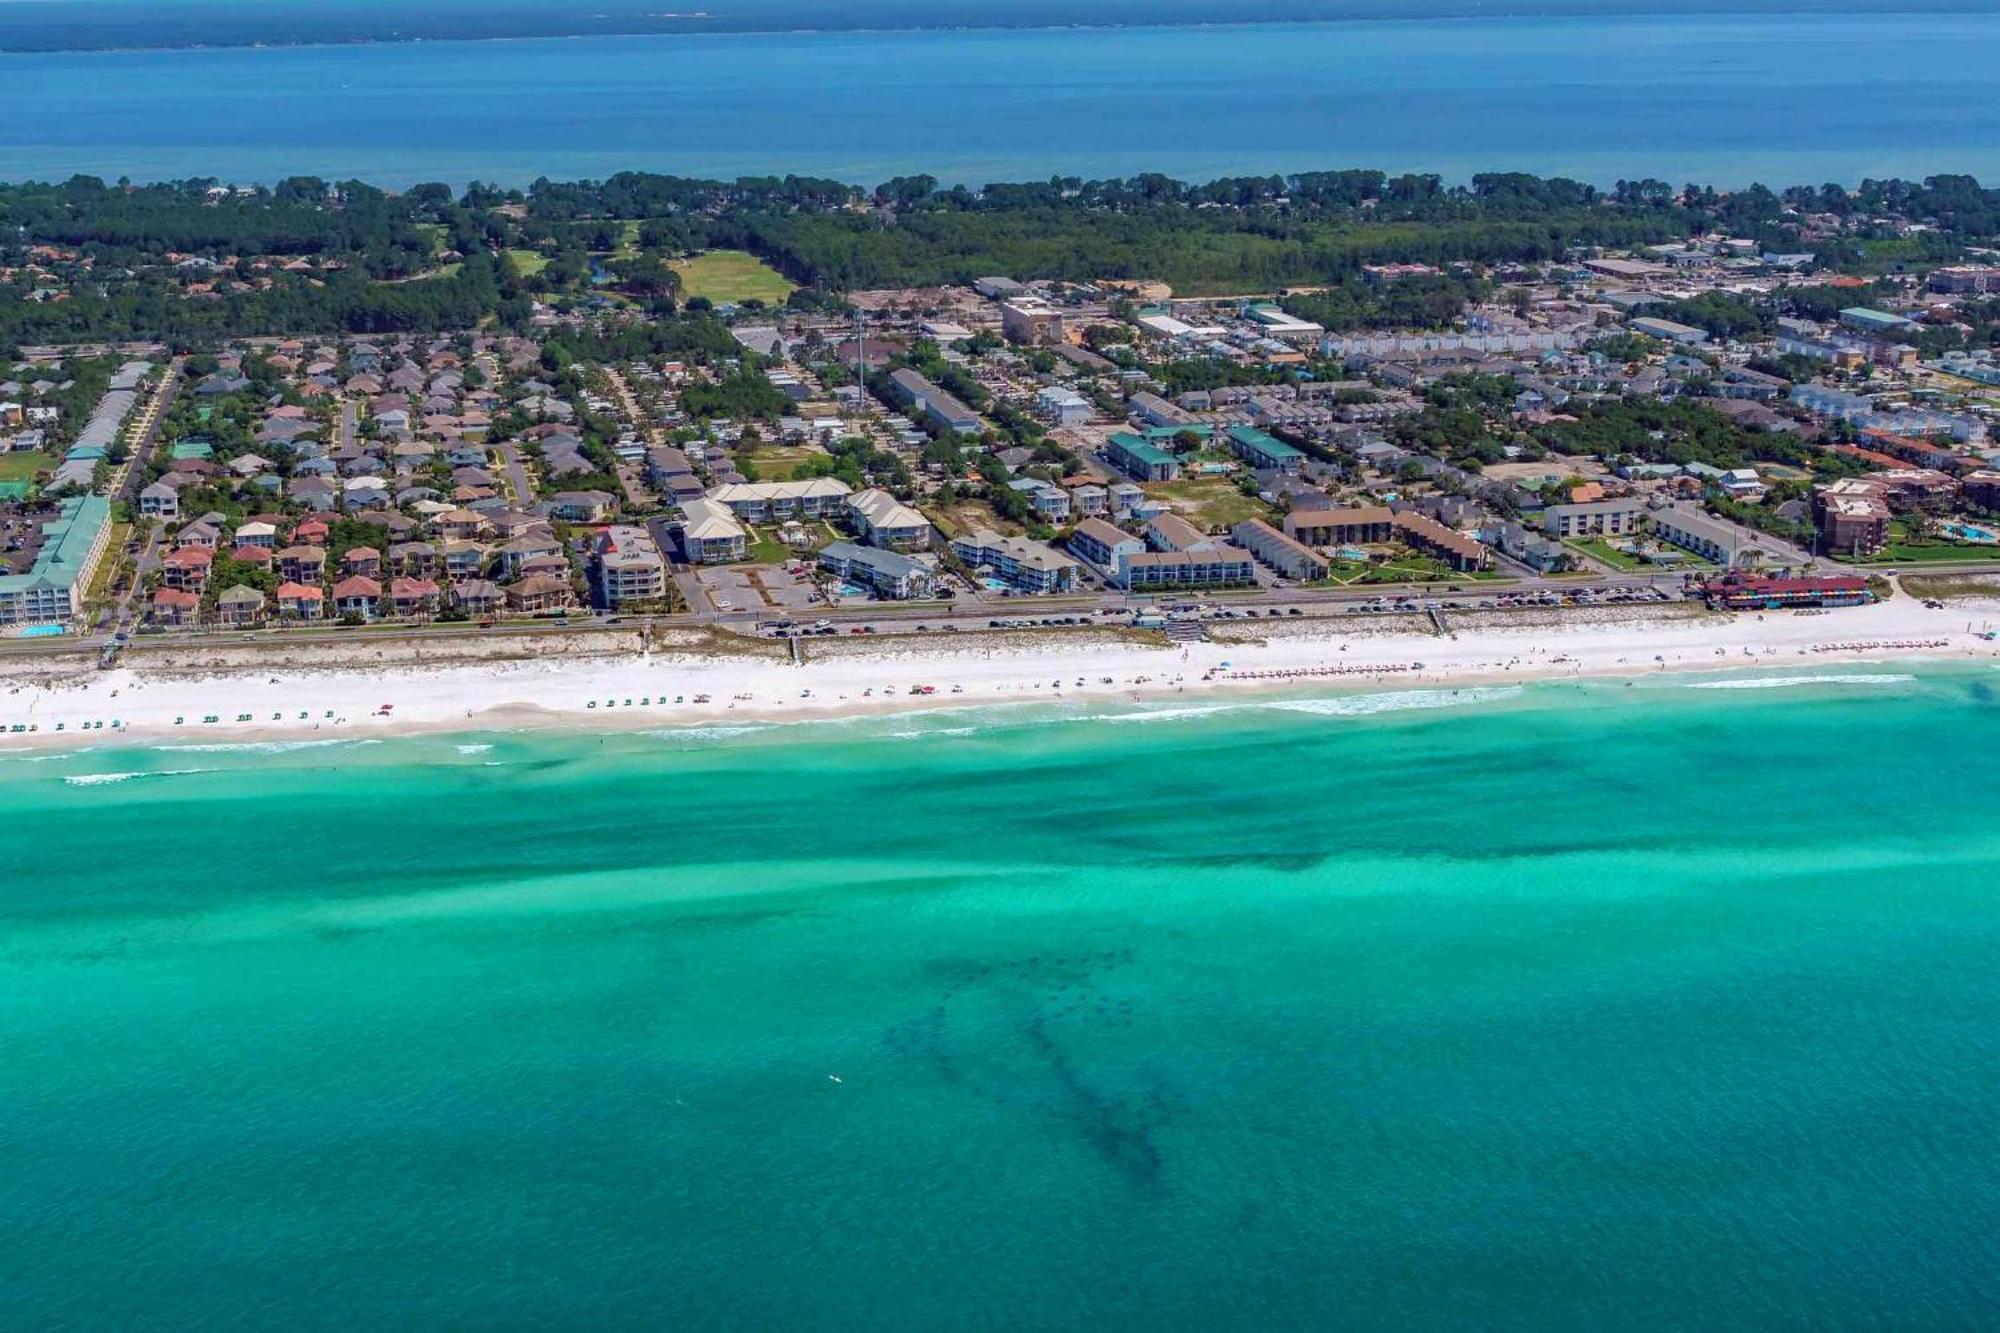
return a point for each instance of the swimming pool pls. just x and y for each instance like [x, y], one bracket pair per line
[43, 631]
[1966, 532]
[995, 585]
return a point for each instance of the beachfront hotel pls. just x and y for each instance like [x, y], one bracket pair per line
[65, 547]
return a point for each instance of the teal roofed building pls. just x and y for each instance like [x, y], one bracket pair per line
[60, 561]
[1140, 460]
[1260, 449]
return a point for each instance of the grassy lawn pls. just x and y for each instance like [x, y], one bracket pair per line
[782, 462]
[1618, 559]
[1605, 551]
[1212, 502]
[1905, 547]
[23, 466]
[527, 263]
[731, 275]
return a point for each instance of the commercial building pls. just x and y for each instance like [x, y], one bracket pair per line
[1876, 323]
[1738, 593]
[1598, 518]
[940, 407]
[888, 574]
[1262, 450]
[1140, 460]
[44, 581]
[1293, 559]
[1667, 330]
[1023, 565]
[1029, 320]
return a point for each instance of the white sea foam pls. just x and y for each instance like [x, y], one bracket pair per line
[1395, 701]
[107, 779]
[1173, 714]
[717, 733]
[1785, 682]
[473, 749]
[262, 747]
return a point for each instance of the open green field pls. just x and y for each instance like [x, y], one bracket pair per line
[527, 263]
[1211, 502]
[782, 462]
[23, 466]
[731, 275]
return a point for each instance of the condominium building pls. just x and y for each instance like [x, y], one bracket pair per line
[711, 534]
[1264, 451]
[1212, 567]
[884, 521]
[626, 566]
[63, 545]
[1023, 565]
[1139, 459]
[888, 574]
[761, 501]
[1293, 559]
[1105, 547]
[1597, 518]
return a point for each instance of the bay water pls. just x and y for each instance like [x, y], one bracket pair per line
[1722, 99]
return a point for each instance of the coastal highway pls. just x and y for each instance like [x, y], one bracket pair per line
[971, 614]
[965, 615]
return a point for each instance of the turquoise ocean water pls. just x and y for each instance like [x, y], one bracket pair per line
[1716, 98]
[1662, 1006]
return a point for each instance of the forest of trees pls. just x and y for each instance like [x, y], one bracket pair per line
[431, 258]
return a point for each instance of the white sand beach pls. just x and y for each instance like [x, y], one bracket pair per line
[668, 689]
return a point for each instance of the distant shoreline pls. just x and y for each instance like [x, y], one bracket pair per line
[669, 689]
[709, 25]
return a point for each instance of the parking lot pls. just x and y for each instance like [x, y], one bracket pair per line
[758, 588]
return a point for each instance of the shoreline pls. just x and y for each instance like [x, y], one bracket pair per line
[695, 23]
[666, 690]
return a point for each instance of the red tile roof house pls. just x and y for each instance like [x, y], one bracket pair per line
[174, 606]
[357, 596]
[300, 601]
[414, 597]
[363, 560]
[311, 532]
[186, 567]
[260, 556]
